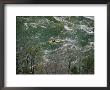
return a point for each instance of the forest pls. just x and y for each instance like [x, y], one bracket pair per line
[54, 44]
